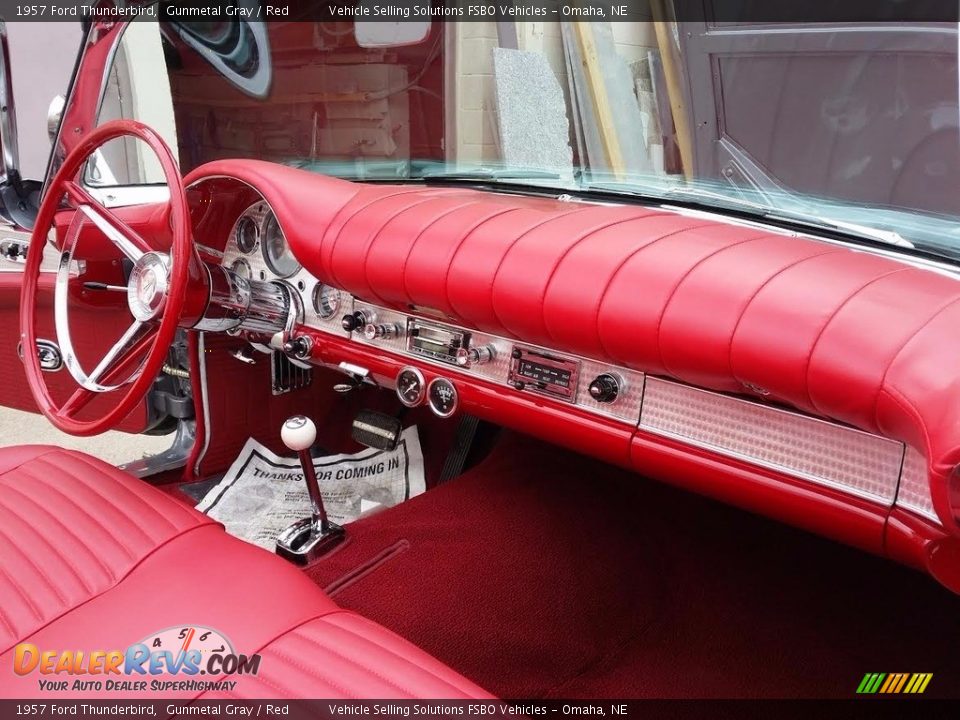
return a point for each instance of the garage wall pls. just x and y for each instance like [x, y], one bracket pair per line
[475, 120]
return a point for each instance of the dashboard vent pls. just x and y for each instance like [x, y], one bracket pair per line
[288, 376]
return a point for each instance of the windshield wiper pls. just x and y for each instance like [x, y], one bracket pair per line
[888, 237]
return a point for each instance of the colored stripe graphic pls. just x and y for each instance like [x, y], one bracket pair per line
[894, 683]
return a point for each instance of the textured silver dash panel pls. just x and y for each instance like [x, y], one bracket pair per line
[914, 493]
[815, 450]
[626, 408]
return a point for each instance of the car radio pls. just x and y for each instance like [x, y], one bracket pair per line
[436, 342]
[544, 373]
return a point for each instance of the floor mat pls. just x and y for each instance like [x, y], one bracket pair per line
[541, 573]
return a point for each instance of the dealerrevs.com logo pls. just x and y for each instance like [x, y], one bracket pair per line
[185, 658]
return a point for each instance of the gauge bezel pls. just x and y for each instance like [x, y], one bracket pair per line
[456, 397]
[318, 290]
[246, 220]
[269, 217]
[245, 263]
[423, 386]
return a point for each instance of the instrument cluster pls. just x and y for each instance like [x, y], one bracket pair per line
[257, 249]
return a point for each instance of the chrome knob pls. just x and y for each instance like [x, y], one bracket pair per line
[475, 356]
[374, 331]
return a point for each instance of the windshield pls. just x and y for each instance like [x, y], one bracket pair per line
[852, 128]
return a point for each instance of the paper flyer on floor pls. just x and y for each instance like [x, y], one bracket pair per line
[263, 493]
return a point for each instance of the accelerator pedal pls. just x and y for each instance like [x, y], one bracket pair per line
[376, 430]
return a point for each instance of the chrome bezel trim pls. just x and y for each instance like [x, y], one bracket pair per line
[316, 294]
[456, 397]
[423, 386]
[271, 216]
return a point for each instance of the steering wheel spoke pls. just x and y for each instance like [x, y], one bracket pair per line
[124, 237]
[121, 356]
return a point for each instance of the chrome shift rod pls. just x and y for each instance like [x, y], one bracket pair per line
[298, 434]
[311, 537]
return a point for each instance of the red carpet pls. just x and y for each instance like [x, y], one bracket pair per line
[541, 573]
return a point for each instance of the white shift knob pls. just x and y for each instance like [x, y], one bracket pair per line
[298, 433]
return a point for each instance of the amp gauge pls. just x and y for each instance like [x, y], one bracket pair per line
[411, 387]
[326, 300]
[442, 397]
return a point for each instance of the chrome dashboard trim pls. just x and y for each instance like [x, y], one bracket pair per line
[913, 493]
[625, 409]
[821, 452]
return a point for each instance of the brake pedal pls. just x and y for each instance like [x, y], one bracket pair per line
[376, 430]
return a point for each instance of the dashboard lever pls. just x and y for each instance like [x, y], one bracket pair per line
[244, 355]
[357, 376]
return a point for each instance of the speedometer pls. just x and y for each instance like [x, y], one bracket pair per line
[276, 252]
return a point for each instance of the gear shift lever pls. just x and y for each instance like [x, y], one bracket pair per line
[311, 537]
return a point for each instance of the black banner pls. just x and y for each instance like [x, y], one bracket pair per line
[724, 14]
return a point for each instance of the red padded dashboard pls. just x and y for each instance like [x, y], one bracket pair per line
[833, 331]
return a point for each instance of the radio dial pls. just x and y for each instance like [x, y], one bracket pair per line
[605, 388]
[475, 356]
[385, 330]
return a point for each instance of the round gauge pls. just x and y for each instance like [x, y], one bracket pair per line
[442, 397]
[242, 268]
[246, 235]
[410, 387]
[276, 251]
[326, 300]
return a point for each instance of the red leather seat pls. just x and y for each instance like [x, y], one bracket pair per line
[94, 559]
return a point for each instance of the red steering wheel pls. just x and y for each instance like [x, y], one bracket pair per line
[156, 290]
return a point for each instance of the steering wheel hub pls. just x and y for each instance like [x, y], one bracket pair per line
[148, 286]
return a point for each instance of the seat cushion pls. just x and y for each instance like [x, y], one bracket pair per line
[94, 559]
[72, 527]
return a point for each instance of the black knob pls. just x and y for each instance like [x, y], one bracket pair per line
[519, 384]
[516, 354]
[298, 347]
[605, 388]
[353, 321]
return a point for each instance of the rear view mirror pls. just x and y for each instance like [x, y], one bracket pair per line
[383, 34]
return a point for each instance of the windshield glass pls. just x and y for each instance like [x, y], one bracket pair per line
[852, 127]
